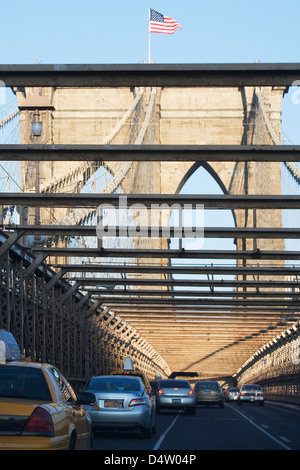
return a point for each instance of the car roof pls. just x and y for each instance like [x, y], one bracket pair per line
[37, 365]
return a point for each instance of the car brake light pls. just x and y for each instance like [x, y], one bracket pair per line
[137, 402]
[261, 394]
[191, 392]
[39, 422]
[160, 392]
[243, 393]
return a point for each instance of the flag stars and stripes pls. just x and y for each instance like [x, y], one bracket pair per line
[162, 24]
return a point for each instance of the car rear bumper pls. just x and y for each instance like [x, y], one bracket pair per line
[139, 417]
[250, 399]
[171, 402]
[34, 443]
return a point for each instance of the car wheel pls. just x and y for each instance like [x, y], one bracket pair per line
[72, 443]
[147, 433]
[92, 442]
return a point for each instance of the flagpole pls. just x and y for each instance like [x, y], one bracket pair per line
[149, 61]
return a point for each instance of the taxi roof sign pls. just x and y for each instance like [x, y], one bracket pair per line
[9, 349]
[128, 364]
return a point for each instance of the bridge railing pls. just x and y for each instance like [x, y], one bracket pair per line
[276, 367]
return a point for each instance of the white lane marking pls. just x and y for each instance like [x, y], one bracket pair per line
[284, 439]
[165, 433]
[261, 429]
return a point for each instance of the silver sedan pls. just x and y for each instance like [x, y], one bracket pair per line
[175, 394]
[251, 393]
[120, 402]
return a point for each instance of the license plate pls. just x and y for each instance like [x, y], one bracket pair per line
[206, 392]
[176, 400]
[113, 404]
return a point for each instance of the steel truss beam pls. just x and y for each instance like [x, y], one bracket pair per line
[158, 232]
[152, 153]
[150, 269]
[162, 75]
[192, 293]
[168, 254]
[294, 304]
[155, 201]
[104, 281]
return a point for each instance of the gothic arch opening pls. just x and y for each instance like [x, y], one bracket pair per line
[201, 179]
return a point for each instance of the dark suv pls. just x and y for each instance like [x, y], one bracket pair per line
[209, 392]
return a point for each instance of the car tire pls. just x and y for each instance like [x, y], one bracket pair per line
[72, 443]
[147, 432]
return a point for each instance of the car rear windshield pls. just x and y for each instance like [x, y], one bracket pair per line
[174, 384]
[23, 382]
[252, 387]
[114, 383]
[208, 385]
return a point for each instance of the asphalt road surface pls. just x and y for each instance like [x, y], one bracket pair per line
[246, 427]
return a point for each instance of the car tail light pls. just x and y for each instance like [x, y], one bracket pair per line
[160, 392]
[137, 402]
[260, 394]
[243, 393]
[191, 392]
[39, 422]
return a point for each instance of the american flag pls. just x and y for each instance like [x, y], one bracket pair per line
[162, 24]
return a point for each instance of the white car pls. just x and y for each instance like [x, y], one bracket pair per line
[251, 393]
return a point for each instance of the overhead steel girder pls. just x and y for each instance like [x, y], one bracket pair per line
[132, 293]
[195, 270]
[157, 232]
[185, 282]
[295, 304]
[147, 75]
[172, 253]
[152, 201]
[154, 153]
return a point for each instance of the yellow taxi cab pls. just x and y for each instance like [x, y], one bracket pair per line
[39, 410]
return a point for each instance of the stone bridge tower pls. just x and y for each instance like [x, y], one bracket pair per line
[218, 116]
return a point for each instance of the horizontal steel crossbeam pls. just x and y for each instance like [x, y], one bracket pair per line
[165, 232]
[154, 153]
[150, 269]
[155, 201]
[171, 75]
[169, 254]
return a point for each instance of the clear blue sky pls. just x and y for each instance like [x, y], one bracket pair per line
[116, 31]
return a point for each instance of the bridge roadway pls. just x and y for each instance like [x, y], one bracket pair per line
[247, 427]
